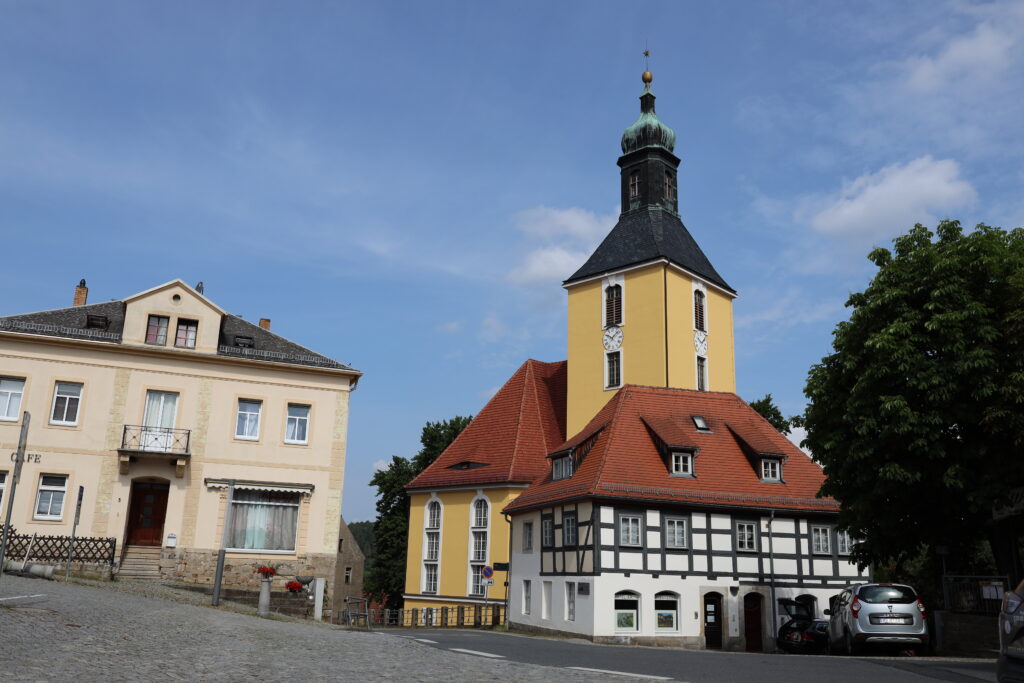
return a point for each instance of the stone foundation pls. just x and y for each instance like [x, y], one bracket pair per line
[683, 642]
[83, 570]
[189, 565]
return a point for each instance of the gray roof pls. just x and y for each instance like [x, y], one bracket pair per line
[647, 235]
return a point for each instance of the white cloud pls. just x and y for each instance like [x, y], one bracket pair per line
[576, 223]
[567, 237]
[796, 435]
[889, 201]
[450, 327]
[788, 309]
[969, 61]
[547, 265]
[380, 465]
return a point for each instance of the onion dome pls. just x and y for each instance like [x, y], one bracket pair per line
[648, 131]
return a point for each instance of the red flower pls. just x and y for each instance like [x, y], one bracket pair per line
[293, 586]
[266, 572]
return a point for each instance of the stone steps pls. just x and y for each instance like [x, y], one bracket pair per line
[140, 562]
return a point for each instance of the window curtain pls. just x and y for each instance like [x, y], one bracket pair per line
[264, 520]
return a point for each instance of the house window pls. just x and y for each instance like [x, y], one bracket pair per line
[156, 329]
[3, 487]
[561, 468]
[843, 545]
[527, 537]
[675, 533]
[348, 576]
[627, 605]
[434, 515]
[264, 520]
[666, 611]
[186, 336]
[547, 532]
[545, 600]
[296, 429]
[702, 373]
[614, 375]
[430, 578]
[701, 424]
[11, 390]
[670, 186]
[569, 529]
[479, 546]
[634, 186]
[698, 310]
[480, 513]
[248, 426]
[771, 470]
[432, 546]
[820, 541]
[478, 579]
[50, 498]
[527, 596]
[570, 601]
[613, 305]
[629, 530]
[478, 541]
[66, 396]
[746, 536]
[682, 464]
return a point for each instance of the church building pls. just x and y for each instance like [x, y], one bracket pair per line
[635, 497]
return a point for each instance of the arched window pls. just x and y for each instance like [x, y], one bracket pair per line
[666, 612]
[478, 545]
[434, 515]
[480, 509]
[627, 607]
[613, 305]
[698, 310]
[431, 546]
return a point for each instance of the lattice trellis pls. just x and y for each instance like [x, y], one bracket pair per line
[55, 548]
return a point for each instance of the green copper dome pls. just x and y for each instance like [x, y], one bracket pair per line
[648, 130]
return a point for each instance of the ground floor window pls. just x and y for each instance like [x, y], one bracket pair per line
[50, 499]
[430, 578]
[264, 520]
[527, 596]
[666, 612]
[570, 601]
[627, 605]
[545, 601]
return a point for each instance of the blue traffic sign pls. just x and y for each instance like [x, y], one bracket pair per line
[487, 572]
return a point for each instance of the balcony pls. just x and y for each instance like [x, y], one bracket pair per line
[160, 442]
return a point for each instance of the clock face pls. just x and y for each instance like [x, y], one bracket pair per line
[612, 338]
[700, 343]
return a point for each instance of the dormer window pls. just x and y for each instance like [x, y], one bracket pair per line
[243, 342]
[771, 469]
[97, 322]
[634, 186]
[186, 336]
[700, 423]
[561, 468]
[156, 330]
[682, 464]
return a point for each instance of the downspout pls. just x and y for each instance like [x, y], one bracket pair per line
[771, 569]
[664, 301]
[508, 573]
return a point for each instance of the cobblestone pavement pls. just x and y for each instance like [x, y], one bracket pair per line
[87, 633]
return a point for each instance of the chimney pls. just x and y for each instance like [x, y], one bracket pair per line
[81, 294]
[265, 324]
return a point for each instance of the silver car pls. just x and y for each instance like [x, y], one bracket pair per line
[876, 614]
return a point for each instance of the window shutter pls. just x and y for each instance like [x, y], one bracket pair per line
[613, 305]
[698, 310]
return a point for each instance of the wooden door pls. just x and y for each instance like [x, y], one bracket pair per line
[752, 625]
[713, 618]
[146, 513]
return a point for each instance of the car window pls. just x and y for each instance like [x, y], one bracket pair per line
[886, 594]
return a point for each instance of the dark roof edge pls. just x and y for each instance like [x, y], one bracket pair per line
[597, 498]
[640, 264]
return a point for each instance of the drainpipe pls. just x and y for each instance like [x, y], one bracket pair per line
[771, 569]
[508, 574]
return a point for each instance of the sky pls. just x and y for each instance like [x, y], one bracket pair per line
[404, 186]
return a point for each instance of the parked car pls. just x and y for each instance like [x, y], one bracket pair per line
[1010, 666]
[876, 614]
[802, 634]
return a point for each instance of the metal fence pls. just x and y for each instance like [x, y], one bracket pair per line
[463, 616]
[974, 594]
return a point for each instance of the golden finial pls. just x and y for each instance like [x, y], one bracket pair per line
[648, 76]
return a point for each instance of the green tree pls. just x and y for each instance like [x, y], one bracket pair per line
[917, 415]
[385, 581]
[363, 533]
[769, 411]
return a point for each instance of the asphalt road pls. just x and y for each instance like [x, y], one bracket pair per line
[699, 666]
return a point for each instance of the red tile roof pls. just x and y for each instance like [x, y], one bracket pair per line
[511, 436]
[625, 461]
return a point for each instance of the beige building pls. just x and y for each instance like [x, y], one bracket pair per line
[152, 405]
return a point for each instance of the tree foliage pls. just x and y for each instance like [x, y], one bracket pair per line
[385, 581]
[918, 414]
[363, 533]
[768, 410]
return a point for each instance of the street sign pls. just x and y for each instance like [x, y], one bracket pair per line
[501, 566]
[487, 573]
[488, 582]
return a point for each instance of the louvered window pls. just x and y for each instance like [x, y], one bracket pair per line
[614, 369]
[613, 305]
[698, 310]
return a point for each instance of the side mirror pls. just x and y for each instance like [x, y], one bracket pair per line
[828, 613]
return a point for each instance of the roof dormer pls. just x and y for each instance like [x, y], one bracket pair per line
[174, 316]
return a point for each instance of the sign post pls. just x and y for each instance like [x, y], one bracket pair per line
[488, 573]
[228, 518]
[19, 458]
[74, 530]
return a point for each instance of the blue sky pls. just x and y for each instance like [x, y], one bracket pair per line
[403, 186]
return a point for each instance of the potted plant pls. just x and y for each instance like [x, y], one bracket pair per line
[266, 579]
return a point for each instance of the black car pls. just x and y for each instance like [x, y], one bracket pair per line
[802, 634]
[1010, 666]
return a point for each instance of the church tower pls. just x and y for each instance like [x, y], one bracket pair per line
[647, 307]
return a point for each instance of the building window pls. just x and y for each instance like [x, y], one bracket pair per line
[570, 601]
[477, 587]
[771, 470]
[666, 611]
[11, 391]
[480, 513]
[156, 330]
[561, 468]
[746, 536]
[248, 426]
[348, 576]
[3, 487]
[629, 530]
[296, 429]
[66, 396]
[820, 544]
[527, 537]
[547, 532]
[430, 579]
[545, 600]
[702, 373]
[527, 596]
[479, 546]
[264, 520]
[50, 498]
[614, 375]
[627, 605]
[186, 336]
[700, 423]
[682, 464]
[698, 310]
[634, 186]
[843, 545]
[569, 529]
[670, 186]
[675, 533]
[613, 305]
[433, 545]
[478, 550]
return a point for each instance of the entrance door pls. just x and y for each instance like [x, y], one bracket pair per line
[158, 421]
[713, 621]
[146, 513]
[752, 626]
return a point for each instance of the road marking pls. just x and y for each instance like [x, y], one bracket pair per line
[619, 673]
[24, 597]
[477, 653]
[424, 640]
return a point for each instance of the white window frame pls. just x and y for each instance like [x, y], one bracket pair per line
[348, 576]
[527, 596]
[634, 612]
[561, 468]
[620, 280]
[675, 612]
[57, 393]
[249, 414]
[432, 546]
[3, 488]
[190, 341]
[670, 537]
[295, 543]
[682, 463]
[607, 374]
[566, 541]
[698, 286]
[430, 574]
[297, 419]
[626, 533]
[50, 488]
[702, 373]
[771, 469]
[547, 532]
[528, 536]
[844, 544]
[741, 546]
[821, 540]
[432, 527]
[570, 601]
[11, 415]
[479, 535]
[545, 600]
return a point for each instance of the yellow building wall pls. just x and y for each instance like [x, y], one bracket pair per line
[721, 343]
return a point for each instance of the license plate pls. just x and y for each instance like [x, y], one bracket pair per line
[891, 620]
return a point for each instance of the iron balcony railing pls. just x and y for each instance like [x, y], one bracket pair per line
[143, 439]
